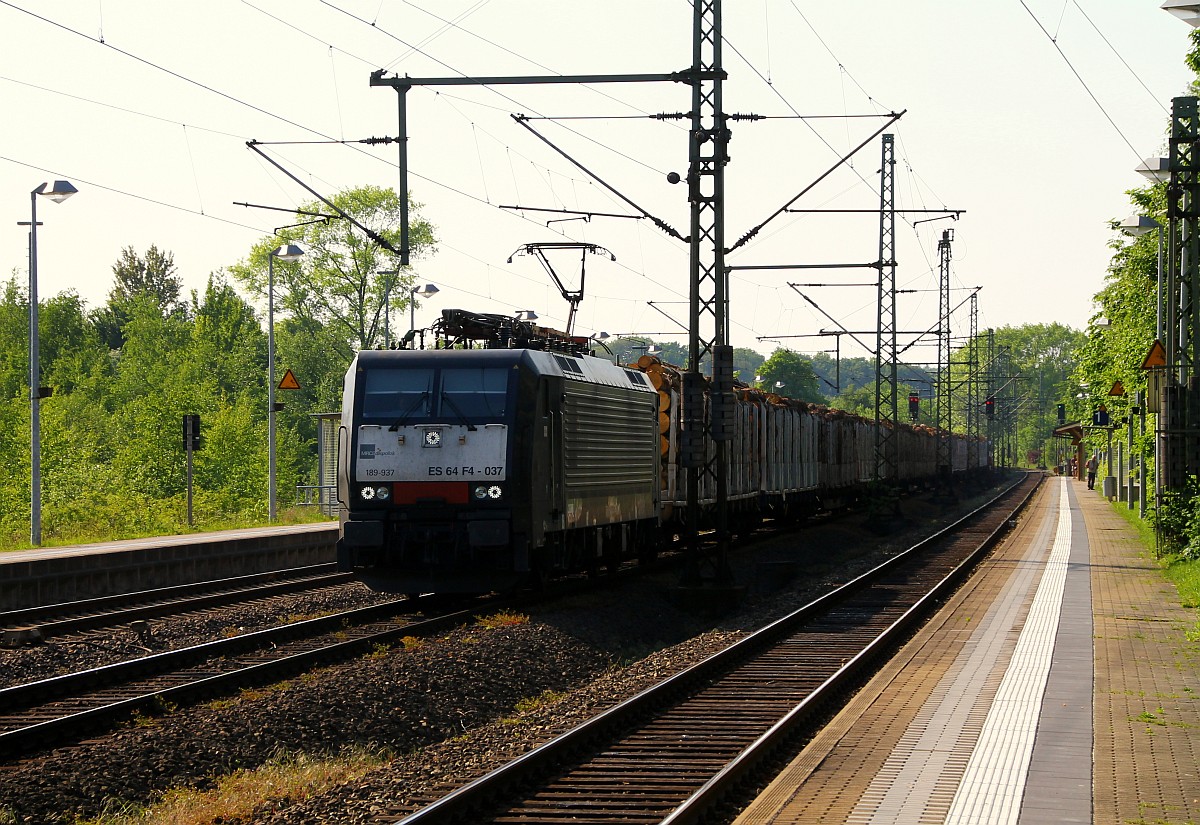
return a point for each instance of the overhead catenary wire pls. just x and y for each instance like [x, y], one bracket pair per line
[1082, 82]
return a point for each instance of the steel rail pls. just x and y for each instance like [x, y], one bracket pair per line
[108, 611]
[535, 766]
[768, 744]
[101, 687]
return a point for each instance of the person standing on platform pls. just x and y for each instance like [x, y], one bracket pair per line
[1092, 466]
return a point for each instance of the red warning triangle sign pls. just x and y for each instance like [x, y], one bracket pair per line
[1156, 357]
[289, 382]
[1118, 389]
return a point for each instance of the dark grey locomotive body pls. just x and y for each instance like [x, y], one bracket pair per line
[463, 470]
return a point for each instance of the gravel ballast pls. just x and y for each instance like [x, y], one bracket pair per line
[445, 710]
[95, 648]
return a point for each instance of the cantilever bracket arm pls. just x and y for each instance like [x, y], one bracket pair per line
[660, 223]
[892, 118]
[370, 233]
[684, 76]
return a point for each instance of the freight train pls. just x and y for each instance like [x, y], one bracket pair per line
[509, 454]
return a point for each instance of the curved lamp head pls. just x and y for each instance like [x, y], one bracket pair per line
[288, 252]
[1155, 169]
[526, 315]
[426, 291]
[1187, 12]
[1138, 225]
[58, 191]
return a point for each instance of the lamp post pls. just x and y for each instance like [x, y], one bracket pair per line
[58, 192]
[1157, 170]
[287, 252]
[1140, 225]
[426, 291]
[390, 274]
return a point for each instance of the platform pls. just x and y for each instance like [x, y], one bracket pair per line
[1057, 686]
[48, 575]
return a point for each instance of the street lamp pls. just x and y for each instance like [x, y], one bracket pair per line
[58, 192]
[426, 291]
[1187, 12]
[288, 252]
[1157, 170]
[526, 315]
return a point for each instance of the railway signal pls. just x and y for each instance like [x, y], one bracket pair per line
[989, 406]
[914, 406]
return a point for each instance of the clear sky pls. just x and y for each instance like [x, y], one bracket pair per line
[146, 107]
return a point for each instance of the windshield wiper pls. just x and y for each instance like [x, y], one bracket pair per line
[462, 419]
[399, 421]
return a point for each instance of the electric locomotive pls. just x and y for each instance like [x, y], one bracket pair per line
[466, 469]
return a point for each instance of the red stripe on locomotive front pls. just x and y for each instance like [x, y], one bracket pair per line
[417, 492]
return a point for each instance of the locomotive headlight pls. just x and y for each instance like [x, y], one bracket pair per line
[481, 492]
[367, 493]
[494, 491]
[383, 493]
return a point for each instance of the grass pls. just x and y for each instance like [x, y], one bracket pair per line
[530, 704]
[501, 619]
[279, 783]
[101, 533]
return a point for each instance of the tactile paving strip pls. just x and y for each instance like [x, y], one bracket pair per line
[1146, 713]
[993, 785]
[888, 756]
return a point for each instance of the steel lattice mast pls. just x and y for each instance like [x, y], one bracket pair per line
[708, 154]
[704, 424]
[973, 400]
[886, 444]
[942, 417]
[1183, 309]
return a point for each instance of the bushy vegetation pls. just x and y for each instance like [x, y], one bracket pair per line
[1119, 337]
[123, 376]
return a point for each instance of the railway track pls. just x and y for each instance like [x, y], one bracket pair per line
[675, 751]
[35, 624]
[52, 710]
[58, 709]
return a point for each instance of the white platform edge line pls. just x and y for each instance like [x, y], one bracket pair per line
[992, 787]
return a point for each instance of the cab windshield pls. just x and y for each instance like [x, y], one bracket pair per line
[428, 395]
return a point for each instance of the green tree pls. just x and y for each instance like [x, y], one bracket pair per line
[791, 374]
[137, 278]
[746, 364]
[14, 341]
[229, 348]
[858, 400]
[861, 401]
[340, 284]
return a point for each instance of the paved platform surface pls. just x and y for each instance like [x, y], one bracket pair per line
[123, 545]
[1057, 686]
